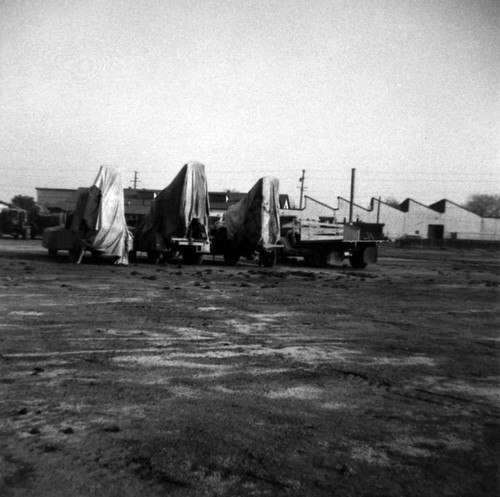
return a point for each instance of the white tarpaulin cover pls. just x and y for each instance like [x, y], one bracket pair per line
[184, 199]
[99, 218]
[255, 220]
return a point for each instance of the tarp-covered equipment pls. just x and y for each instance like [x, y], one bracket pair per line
[99, 218]
[254, 221]
[184, 199]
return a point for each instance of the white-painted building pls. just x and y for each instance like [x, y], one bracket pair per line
[443, 219]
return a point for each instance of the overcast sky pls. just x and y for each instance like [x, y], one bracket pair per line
[405, 91]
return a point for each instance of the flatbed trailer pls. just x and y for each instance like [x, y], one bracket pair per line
[320, 243]
[221, 245]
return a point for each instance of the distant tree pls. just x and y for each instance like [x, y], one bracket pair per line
[484, 205]
[27, 203]
[392, 202]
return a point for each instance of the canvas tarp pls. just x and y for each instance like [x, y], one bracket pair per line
[183, 200]
[99, 218]
[254, 221]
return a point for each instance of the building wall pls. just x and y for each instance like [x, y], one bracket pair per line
[456, 221]
[313, 209]
[461, 223]
[490, 228]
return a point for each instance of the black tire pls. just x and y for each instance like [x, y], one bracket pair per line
[154, 257]
[269, 258]
[191, 256]
[231, 257]
[95, 255]
[319, 258]
[357, 260]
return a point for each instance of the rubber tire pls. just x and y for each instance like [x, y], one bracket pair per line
[231, 257]
[357, 261]
[154, 257]
[269, 258]
[319, 258]
[72, 255]
[190, 256]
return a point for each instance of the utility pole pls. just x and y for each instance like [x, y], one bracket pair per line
[378, 210]
[302, 186]
[135, 180]
[351, 203]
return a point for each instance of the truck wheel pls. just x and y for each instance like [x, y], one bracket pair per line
[357, 260]
[190, 256]
[319, 258]
[231, 257]
[72, 255]
[154, 257]
[95, 255]
[269, 258]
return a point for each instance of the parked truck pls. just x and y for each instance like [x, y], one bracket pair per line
[97, 225]
[177, 221]
[14, 221]
[42, 221]
[251, 227]
[322, 243]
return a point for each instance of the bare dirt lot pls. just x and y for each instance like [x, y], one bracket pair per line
[243, 381]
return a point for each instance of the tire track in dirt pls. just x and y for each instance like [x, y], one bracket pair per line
[415, 393]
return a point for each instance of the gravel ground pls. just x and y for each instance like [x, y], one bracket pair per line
[245, 381]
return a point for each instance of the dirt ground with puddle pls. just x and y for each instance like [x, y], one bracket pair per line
[245, 381]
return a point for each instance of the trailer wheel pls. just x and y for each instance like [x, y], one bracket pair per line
[269, 258]
[319, 258]
[190, 256]
[357, 260]
[231, 256]
[154, 257]
[72, 255]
